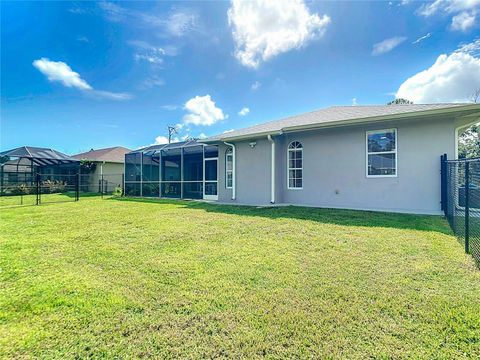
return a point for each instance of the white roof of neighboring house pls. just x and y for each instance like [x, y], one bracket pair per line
[341, 115]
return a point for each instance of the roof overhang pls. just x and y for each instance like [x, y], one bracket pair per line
[463, 111]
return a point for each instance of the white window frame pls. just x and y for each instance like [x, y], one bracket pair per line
[371, 132]
[288, 165]
[228, 154]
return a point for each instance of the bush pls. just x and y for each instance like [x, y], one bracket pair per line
[118, 191]
[53, 186]
[21, 189]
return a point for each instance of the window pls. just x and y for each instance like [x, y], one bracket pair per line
[229, 168]
[295, 165]
[382, 153]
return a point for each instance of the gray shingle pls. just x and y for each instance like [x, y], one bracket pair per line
[331, 114]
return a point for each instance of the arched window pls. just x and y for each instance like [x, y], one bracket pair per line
[295, 165]
[229, 168]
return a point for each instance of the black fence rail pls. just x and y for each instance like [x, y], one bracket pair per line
[51, 188]
[461, 201]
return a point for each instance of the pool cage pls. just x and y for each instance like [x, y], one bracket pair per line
[183, 170]
[20, 169]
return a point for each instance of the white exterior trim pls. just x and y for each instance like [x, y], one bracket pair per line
[369, 132]
[288, 165]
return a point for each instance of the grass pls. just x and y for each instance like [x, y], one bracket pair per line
[171, 279]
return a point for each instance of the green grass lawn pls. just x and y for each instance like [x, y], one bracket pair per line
[172, 279]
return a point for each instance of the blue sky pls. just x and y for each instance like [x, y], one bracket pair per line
[81, 75]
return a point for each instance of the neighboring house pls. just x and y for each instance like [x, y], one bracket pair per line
[383, 157]
[109, 165]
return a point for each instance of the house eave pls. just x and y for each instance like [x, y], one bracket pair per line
[349, 122]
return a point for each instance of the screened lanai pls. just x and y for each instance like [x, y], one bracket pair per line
[184, 170]
[20, 166]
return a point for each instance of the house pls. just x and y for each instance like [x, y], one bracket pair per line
[382, 157]
[109, 165]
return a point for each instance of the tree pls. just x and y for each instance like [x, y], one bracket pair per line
[400, 101]
[476, 95]
[469, 142]
[172, 130]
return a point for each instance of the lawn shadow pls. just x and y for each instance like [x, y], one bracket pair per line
[321, 215]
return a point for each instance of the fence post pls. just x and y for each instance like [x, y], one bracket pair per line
[77, 187]
[37, 188]
[467, 207]
[443, 182]
[102, 184]
[123, 185]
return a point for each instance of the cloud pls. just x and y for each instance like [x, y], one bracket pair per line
[151, 54]
[448, 6]
[153, 81]
[422, 38]
[244, 111]
[160, 140]
[256, 85]
[203, 111]
[178, 23]
[264, 29]
[354, 102]
[151, 58]
[387, 45]
[169, 107]
[463, 21]
[452, 78]
[101, 94]
[464, 12]
[83, 39]
[58, 71]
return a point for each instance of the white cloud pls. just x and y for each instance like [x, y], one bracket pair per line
[151, 58]
[463, 21]
[387, 45]
[160, 140]
[100, 94]
[448, 6]
[256, 85]
[264, 29]
[153, 81]
[354, 102]
[179, 22]
[169, 107]
[244, 111]
[422, 38]
[203, 111]
[464, 12]
[452, 78]
[61, 72]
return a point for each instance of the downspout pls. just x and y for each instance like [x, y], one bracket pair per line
[234, 172]
[272, 187]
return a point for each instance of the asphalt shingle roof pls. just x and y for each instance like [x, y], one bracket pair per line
[331, 115]
[113, 154]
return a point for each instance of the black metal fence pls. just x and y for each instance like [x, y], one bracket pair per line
[47, 188]
[461, 201]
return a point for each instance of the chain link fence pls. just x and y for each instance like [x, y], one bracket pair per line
[461, 201]
[53, 188]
